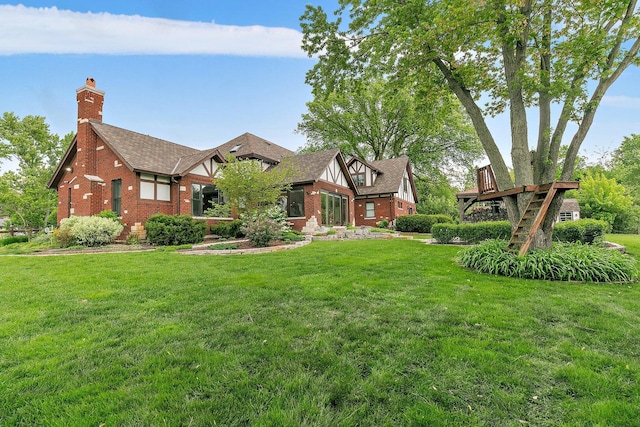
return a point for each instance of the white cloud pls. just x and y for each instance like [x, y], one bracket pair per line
[25, 30]
[621, 101]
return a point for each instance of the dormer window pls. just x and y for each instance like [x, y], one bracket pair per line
[235, 148]
[358, 179]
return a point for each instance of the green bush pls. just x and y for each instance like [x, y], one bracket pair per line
[584, 231]
[88, 231]
[228, 229]
[383, 223]
[14, 239]
[292, 236]
[564, 262]
[471, 232]
[108, 214]
[261, 230]
[171, 230]
[420, 223]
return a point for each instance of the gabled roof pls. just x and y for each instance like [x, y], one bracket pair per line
[390, 174]
[248, 145]
[309, 167]
[143, 153]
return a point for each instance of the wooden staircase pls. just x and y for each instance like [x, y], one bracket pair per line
[532, 218]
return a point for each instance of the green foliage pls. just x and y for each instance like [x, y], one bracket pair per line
[384, 223]
[88, 231]
[263, 227]
[625, 165]
[23, 193]
[471, 232]
[564, 262]
[602, 198]
[261, 230]
[420, 223]
[228, 229]
[13, 239]
[292, 236]
[586, 231]
[379, 119]
[171, 230]
[218, 210]
[223, 246]
[250, 188]
[109, 214]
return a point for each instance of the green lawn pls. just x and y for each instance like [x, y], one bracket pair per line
[380, 332]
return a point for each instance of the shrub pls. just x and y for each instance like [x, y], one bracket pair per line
[228, 229]
[88, 231]
[444, 233]
[166, 230]
[564, 262]
[292, 236]
[586, 231]
[471, 232]
[14, 239]
[108, 214]
[384, 223]
[62, 237]
[261, 230]
[420, 223]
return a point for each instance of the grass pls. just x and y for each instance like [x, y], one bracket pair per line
[381, 332]
[630, 241]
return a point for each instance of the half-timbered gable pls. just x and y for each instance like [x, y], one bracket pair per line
[362, 173]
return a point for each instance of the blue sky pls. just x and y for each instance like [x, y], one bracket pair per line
[195, 72]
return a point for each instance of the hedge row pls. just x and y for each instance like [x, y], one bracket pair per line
[420, 223]
[583, 231]
[471, 232]
[169, 230]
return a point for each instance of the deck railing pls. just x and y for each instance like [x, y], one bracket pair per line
[486, 180]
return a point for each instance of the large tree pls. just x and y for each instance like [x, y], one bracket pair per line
[515, 55]
[23, 192]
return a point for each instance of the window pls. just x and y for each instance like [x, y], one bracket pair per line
[358, 179]
[566, 216]
[203, 197]
[405, 184]
[295, 202]
[335, 208]
[116, 196]
[369, 210]
[399, 205]
[410, 210]
[155, 187]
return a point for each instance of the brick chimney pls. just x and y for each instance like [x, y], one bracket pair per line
[90, 101]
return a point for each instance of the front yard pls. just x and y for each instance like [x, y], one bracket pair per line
[371, 332]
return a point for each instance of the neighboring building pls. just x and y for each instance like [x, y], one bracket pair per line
[137, 175]
[569, 211]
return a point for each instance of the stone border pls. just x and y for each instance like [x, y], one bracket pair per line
[203, 249]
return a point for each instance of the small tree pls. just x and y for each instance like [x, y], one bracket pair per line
[249, 187]
[254, 193]
[602, 198]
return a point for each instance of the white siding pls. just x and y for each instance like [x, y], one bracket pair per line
[408, 194]
[333, 173]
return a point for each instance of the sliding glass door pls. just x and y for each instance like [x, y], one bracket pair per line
[335, 209]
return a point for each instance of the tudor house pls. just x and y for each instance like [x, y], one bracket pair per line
[137, 175]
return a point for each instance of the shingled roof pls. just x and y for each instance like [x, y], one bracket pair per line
[390, 174]
[143, 153]
[309, 167]
[248, 145]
